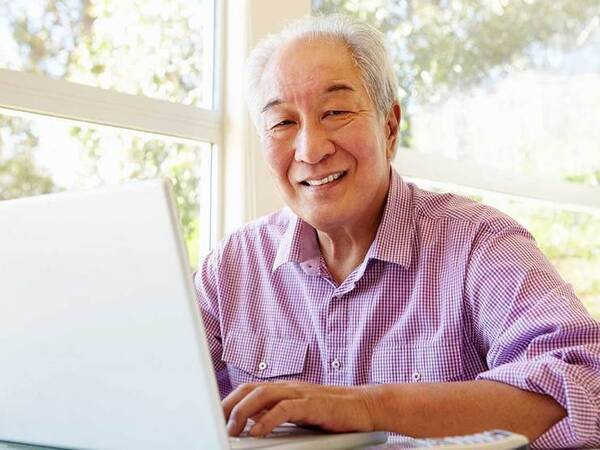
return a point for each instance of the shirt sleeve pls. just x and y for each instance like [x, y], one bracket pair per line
[207, 293]
[535, 333]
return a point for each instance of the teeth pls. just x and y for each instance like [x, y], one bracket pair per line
[327, 179]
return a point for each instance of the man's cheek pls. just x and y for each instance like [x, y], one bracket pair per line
[278, 160]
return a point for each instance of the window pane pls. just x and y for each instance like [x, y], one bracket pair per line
[509, 84]
[157, 48]
[570, 240]
[40, 155]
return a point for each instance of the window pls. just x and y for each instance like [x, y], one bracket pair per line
[498, 96]
[97, 92]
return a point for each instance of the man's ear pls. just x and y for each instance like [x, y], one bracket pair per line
[392, 126]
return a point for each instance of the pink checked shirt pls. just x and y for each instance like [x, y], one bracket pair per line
[449, 290]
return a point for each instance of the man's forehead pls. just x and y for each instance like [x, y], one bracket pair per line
[312, 67]
[302, 71]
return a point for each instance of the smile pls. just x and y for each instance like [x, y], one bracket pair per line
[325, 180]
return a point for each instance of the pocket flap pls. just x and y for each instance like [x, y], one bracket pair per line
[265, 357]
[393, 362]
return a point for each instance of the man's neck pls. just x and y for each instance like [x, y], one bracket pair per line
[344, 249]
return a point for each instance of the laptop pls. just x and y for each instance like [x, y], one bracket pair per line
[102, 345]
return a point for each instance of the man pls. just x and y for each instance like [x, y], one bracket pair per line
[376, 305]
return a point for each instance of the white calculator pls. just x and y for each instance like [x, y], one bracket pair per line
[486, 440]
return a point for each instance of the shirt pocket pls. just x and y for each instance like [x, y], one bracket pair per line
[260, 359]
[394, 362]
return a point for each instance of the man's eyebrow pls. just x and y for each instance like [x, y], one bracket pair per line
[333, 88]
[270, 104]
[339, 87]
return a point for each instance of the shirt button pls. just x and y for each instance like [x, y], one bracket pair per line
[262, 365]
[416, 376]
[335, 364]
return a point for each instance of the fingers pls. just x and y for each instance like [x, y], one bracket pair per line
[256, 417]
[235, 396]
[251, 401]
[296, 410]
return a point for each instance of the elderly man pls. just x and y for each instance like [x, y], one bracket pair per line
[373, 304]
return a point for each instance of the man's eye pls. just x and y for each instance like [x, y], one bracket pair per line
[335, 112]
[282, 124]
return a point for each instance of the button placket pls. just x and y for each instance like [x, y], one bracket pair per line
[335, 335]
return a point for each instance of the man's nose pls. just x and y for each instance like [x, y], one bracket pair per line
[312, 144]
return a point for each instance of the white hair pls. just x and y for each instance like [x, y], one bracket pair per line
[365, 44]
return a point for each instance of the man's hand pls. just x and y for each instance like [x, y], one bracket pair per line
[332, 408]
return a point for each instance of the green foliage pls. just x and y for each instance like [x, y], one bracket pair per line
[17, 169]
[592, 178]
[19, 174]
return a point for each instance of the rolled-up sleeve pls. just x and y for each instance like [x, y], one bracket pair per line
[207, 292]
[535, 333]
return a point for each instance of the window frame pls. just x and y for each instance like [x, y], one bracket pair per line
[40, 95]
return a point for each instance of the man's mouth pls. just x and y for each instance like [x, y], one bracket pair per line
[328, 179]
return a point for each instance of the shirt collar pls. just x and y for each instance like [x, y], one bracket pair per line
[393, 242]
[395, 237]
[298, 244]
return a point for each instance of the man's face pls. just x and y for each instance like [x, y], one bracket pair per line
[323, 139]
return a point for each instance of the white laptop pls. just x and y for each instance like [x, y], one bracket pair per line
[101, 342]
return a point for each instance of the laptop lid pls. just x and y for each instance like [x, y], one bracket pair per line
[101, 341]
